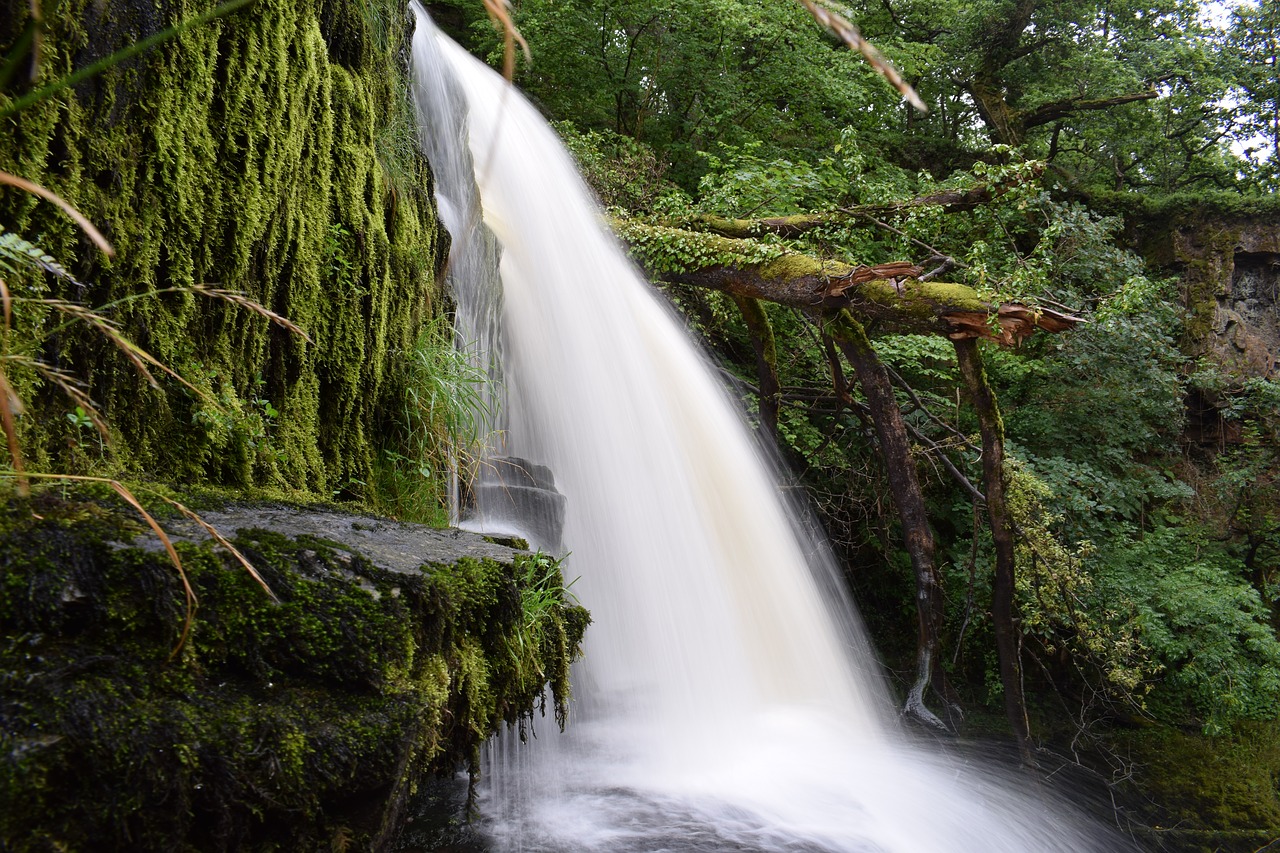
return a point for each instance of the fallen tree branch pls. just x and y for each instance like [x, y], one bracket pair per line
[890, 294]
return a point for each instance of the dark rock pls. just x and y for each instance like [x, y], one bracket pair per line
[515, 495]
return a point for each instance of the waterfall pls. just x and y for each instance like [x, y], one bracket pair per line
[726, 699]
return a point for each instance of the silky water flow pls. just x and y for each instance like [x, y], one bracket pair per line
[726, 700]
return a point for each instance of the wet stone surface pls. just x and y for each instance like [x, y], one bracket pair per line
[392, 545]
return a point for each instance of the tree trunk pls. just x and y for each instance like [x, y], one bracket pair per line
[761, 334]
[1003, 621]
[904, 485]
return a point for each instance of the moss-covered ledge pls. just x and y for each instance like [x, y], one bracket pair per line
[302, 723]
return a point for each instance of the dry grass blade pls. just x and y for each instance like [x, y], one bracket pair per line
[35, 189]
[500, 13]
[173, 557]
[222, 540]
[68, 385]
[237, 298]
[10, 406]
[850, 35]
[8, 305]
[137, 356]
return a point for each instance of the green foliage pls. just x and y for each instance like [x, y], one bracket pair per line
[1254, 36]
[1060, 602]
[682, 75]
[551, 624]
[1202, 620]
[447, 421]
[740, 183]
[744, 181]
[624, 173]
[1096, 412]
[16, 253]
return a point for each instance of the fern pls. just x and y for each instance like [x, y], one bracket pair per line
[14, 249]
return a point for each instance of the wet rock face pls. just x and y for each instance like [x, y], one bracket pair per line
[1231, 285]
[1248, 315]
[516, 495]
[392, 545]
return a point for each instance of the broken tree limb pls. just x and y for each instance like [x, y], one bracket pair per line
[890, 294]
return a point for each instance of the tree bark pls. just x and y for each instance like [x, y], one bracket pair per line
[762, 341]
[904, 485]
[1004, 622]
[889, 294]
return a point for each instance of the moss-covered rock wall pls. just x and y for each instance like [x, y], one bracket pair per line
[271, 152]
[301, 723]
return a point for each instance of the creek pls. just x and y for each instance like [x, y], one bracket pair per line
[727, 698]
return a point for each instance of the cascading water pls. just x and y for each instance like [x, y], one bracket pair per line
[726, 700]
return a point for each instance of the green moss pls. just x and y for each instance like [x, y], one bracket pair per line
[1215, 793]
[263, 152]
[283, 724]
[794, 265]
[1203, 280]
[1220, 204]
[660, 249]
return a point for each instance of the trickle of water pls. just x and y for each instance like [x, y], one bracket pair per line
[726, 699]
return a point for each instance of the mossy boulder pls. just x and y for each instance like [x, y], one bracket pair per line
[294, 723]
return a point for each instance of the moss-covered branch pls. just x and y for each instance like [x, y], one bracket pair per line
[886, 293]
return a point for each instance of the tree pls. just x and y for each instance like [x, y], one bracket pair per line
[683, 75]
[831, 293]
[1114, 94]
[1255, 34]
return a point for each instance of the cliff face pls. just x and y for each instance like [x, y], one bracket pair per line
[1231, 286]
[272, 152]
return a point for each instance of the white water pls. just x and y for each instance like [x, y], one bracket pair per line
[726, 700]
